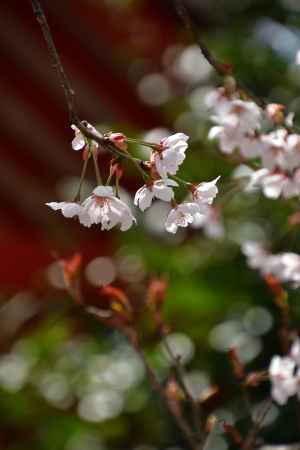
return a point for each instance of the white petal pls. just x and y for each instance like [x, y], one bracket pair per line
[295, 351]
[78, 143]
[104, 191]
[174, 139]
[215, 132]
[143, 198]
[68, 209]
[279, 395]
[163, 192]
[273, 185]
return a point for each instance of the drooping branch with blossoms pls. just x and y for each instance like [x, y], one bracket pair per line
[265, 140]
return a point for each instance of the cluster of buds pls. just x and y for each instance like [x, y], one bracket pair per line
[239, 125]
[104, 207]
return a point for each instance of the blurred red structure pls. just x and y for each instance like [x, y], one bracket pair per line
[97, 44]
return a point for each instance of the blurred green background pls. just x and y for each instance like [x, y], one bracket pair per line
[69, 383]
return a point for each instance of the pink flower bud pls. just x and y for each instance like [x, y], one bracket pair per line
[119, 139]
[274, 112]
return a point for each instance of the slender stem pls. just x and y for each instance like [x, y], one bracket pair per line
[109, 178]
[83, 172]
[137, 141]
[97, 171]
[181, 181]
[180, 377]
[252, 435]
[137, 165]
[117, 187]
[156, 385]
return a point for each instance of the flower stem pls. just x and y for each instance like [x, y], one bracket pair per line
[137, 141]
[181, 181]
[117, 187]
[97, 171]
[83, 172]
[136, 163]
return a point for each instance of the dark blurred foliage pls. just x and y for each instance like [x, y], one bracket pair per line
[68, 382]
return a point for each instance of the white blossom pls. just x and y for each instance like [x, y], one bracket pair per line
[170, 154]
[182, 215]
[104, 208]
[205, 193]
[251, 147]
[68, 209]
[275, 183]
[237, 121]
[274, 151]
[284, 266]
[160, 189]
[283, 379]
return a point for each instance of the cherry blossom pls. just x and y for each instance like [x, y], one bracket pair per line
[182, 215]
[284, 266]
[160, 189]
[283, 379]
[236, 121]
[275, 184]
[104, 208]
[274, 151]
[68, 209]
[170, 154]
[220, 100]
[205, 193]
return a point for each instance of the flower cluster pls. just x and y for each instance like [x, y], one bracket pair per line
[105, 208]
[284, 373]
[283, 266]
[238, 126]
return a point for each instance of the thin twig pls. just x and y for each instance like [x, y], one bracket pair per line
[56, 61]
[222, 69]
[156, 385]
[261, 415]
[197, 415]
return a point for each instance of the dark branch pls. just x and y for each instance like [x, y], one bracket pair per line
[254, 431]
[221, 68]
[68, 90]
[56, 61]
[182, 424]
